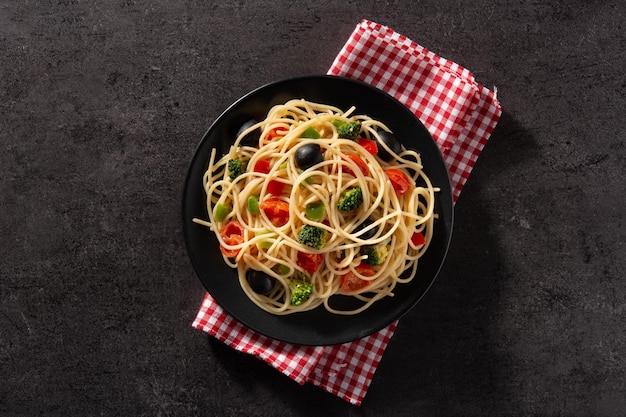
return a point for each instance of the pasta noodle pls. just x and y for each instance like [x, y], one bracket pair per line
[258, 215]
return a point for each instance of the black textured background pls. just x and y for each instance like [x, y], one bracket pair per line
[102, 104]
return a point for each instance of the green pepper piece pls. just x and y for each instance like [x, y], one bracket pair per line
[253, 204]
[265, 244]
[283, 269]
[221, 211]
[310, 133]
[307, 180]
[315, 211]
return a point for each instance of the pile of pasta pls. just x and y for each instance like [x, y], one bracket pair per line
[259, 205]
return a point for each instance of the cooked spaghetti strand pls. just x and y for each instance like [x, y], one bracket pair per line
[258, 214]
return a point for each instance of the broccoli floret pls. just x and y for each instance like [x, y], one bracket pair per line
[351, 199]
[349, 130]
[312, 236]
[376, 254]
[235, 168]
[300, 291]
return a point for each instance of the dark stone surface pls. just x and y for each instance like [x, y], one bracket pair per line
[101, 107]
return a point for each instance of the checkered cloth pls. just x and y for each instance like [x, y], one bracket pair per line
[460, 115]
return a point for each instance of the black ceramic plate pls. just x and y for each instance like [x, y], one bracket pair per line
[316, 327]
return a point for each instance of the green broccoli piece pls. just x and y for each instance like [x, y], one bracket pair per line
[312, 236]
[235, 168]
[376, 254]
[300, 291]
[351, 199]
[349, 130]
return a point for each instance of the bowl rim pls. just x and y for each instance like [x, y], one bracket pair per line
[313, 337]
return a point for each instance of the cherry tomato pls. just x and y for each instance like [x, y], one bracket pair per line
[276, 210]
[359, 162]
[275, 187]
[418, 239]
[370, 145]
[309, 261]
[232, 234]
[262, 166]
[399, 180]
[351, 283]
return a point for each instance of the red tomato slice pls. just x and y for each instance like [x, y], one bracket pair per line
[399, 180]
[276, 210]
[309, 261]
[370, 145]
[275, 187]
[277, 132]
[262, 167]
[232, 234]
[351, 283]
[418, 239]
[359, 162]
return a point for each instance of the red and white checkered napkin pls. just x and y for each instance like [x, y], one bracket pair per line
[460, 115]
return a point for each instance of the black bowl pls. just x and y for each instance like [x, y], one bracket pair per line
[316, 327]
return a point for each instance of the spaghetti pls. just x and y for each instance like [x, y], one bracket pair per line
[318, 214]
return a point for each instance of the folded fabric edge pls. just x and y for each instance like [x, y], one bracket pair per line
[368, 32]
[322, 366]
[294, 361]
[461, 150]
[477, 129]
[364, 354]
[407, 44]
